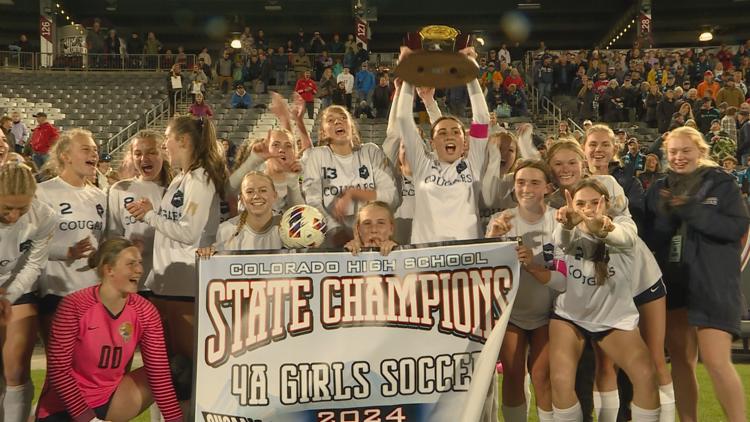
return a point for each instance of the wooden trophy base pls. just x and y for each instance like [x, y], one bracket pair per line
[437, 69]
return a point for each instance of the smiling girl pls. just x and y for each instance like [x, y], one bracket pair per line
[94, 337]
[447, 184]
[341, 174]
[81, 208]
[153, 177]
[531, 223]
[695, 218]
[374, 229]
[596, 304]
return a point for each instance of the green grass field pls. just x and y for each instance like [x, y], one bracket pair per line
[708, 407]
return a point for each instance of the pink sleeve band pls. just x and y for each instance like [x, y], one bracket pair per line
[479, 130]
[559, 266]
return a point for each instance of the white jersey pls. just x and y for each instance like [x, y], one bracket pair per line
[592, 307]
[187, 218]
[447, 193]
[287, 190]
[121, 224]
[24, 248]
[247, 239]
[82, 213]
[328, 175]
[534, 300]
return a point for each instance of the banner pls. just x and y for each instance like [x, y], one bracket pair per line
[46, 33]
[331, 337]
[644, 25]
[362, 31]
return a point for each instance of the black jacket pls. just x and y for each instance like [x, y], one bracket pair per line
[711, 225]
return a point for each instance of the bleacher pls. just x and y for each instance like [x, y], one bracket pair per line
[104, 103]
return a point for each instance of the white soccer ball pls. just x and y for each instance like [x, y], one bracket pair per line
[302, 226]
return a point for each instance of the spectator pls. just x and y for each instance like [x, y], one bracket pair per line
[629, 94]
[348, 80]
[651, 170]
[251, 72]
[307, 89]
[729, 123]
[301, 63]
[317, 44]
[706, 115]
[633, 162]
[206, 58]
[611, 102]
[326, 86]
[95, 44]
[381, 97]
[544, 77]
[503, 54]
[112, 47]
[339, 96]
[6, 124]
[247, 41]
[336, 46]
[363, 110]
[514, 78]
[338, 68]
[457, 98]
[175, 84]
[152, 47]
[362, 56]
[490, 76]
[516, 99]
[134, 48]
[299, 40]
[495, 95]
[664, 111]
[280, 64]
[199, 108]
[586, 98]
[265, 71]
[730, 94]
[42, 139]
[563, 74]
[321, 63]
[224, 71]
[652, 100]
[364, 84]
[20, 132]
[743, 136]
[708, 84]
[241, 98]
[198, 81]
[351, 44]
[206, 69]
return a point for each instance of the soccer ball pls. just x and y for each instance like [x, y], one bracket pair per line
[302, 226]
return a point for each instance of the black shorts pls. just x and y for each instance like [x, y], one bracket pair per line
[657, 291]
[100, 412]
[27, 299]
[48, 304]
[587, 335]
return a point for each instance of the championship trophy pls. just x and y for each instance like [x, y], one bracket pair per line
[436, 61]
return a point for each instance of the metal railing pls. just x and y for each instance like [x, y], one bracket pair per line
[93, 62]
[159, 112]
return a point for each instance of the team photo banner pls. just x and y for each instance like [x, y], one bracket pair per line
[332, 337]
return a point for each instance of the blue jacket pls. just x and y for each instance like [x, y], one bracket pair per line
[244, 100]
[364, 81]
[710, 226]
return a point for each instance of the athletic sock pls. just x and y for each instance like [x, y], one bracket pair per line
[571, 414]
[545, 416]
[644, 415]
[666, 399]
[515, 414]
[17, 402]
[608, 405]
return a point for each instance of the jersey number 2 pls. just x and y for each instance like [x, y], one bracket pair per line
[65, 208]
[110, 357]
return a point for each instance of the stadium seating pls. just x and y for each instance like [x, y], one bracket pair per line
[104, 103]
